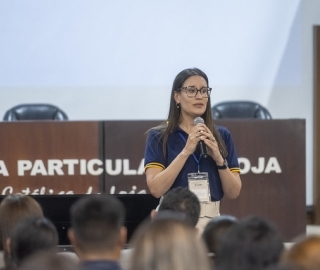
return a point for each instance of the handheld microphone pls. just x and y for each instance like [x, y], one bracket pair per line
[203, 147]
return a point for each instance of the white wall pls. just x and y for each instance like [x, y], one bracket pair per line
[310, 11]
[117, 59]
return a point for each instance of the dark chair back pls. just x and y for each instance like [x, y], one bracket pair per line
[240, 109]
[35, 112]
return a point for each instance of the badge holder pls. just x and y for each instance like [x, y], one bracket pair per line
[199, 185]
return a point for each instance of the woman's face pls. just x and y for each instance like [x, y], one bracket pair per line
[192, 106]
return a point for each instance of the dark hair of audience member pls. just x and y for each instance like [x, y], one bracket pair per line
[50, 261]
[32, 235]
[169, 214]
[13, 209]
[166, 244]
[215, 229]
[96, 222]
[181, 199]
[253, 243]
[304, 253]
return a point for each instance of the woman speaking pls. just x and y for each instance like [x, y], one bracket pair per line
[190, 151]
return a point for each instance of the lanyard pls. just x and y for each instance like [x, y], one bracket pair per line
[193, 154]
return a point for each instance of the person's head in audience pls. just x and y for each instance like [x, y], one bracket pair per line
[98, 231]
[30, 236]
[49, 261]
[305, 253]
[183, 200]
[253, 243]
[166, 244]
[13, 209]
[215, 229]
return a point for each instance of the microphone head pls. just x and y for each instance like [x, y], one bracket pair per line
[198, 120]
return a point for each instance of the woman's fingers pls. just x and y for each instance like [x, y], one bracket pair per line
[205, 135]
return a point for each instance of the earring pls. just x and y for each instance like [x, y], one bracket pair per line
[178, 105]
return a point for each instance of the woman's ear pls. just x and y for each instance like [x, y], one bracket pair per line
[176, 97]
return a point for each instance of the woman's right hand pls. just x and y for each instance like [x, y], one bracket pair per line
[194, 138]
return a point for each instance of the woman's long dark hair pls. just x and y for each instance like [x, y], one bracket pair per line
[174, 113]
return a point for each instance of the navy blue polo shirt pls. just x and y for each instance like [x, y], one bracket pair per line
[154, 158]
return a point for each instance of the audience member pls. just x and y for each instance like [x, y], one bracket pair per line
[30, 236]
[305, 253]
[167, 244]
[178, 203]
[97, 232]
[214, 230]
[14, 208]
[49, 261]
[182, 200]
[251, 244]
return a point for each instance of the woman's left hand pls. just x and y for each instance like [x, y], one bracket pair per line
[212, 145]
[231, 182]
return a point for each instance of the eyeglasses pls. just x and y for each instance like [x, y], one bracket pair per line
[192, 91]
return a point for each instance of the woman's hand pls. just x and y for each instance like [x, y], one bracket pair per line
[231, 182]
[194, 138]
[213, 149]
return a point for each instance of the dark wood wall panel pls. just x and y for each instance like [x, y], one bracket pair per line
[278, 196]
[46, 142]
[125, 144]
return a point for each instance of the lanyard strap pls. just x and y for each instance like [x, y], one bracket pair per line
[193, 154]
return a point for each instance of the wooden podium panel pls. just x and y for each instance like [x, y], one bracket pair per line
[124, 153]
[50, 157]
[273, 164]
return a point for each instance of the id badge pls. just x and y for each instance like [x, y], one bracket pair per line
[199, 185]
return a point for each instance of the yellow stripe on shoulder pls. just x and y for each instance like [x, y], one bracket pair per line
[237, 170]
[154, 165]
